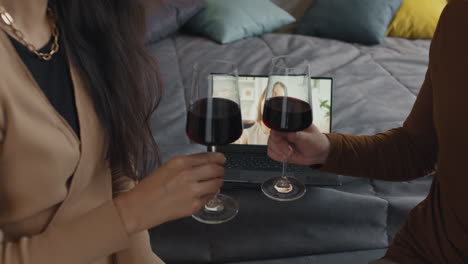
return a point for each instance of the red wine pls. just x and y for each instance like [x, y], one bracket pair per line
[287, 114]
[214, 121]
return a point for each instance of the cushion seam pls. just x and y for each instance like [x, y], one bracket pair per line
[371, 182]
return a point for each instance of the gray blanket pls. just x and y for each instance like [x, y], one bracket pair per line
[374, 89]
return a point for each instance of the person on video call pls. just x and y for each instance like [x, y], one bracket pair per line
[259, 132]
[75, 138]
[432, 140]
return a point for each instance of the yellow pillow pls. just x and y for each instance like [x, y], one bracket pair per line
[416, 19]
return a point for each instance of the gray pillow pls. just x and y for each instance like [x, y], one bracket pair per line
[358, 21]
[165, 17]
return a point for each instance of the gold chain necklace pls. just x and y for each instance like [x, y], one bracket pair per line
[8, 21]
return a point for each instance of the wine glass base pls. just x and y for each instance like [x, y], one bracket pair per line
[229, 210]
[296, 192]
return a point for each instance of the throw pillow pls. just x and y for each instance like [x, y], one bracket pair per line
[165, 17]
[359, 21]
[416, 19]
[227, 20]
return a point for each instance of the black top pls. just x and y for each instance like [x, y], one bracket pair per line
[54, 79]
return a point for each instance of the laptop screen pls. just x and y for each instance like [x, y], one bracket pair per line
[252, 90]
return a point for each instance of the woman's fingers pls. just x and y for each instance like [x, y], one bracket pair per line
[209, 188]
[207, 172]
[185, 162]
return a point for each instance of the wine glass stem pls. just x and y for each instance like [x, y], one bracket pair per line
[215, 204]
[283, 185]
[283, 174]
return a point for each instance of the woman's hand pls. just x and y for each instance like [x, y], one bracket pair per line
[307, 147]
[177, 189]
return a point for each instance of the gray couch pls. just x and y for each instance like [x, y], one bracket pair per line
[375, 87]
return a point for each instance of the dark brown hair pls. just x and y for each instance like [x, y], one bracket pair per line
[105, 41]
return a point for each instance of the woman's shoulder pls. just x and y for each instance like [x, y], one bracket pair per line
[6, 74]
[9, 68]
[4, 71]
[5, 55]
[3, 45]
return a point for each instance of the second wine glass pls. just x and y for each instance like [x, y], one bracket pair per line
[287, 109]
[214, 118]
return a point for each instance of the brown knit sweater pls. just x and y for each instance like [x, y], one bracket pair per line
[433, 138]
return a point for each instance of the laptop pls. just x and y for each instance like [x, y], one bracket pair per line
[247, 162]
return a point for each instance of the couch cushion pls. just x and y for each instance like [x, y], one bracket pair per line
[324, 220]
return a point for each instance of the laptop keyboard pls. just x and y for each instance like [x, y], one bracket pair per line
[256, 162]
[238, 163]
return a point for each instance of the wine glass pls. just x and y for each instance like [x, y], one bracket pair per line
[287, 108]
[214, 118]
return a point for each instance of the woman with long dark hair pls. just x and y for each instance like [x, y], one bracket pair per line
[77, 89]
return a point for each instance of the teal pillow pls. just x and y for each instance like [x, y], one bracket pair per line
[229, 20]
[358, 21]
